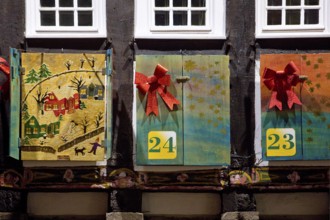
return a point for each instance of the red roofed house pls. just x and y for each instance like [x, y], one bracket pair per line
[59, 107]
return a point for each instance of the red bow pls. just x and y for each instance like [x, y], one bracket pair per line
[4, 67]
[158, 82]
[280, 83]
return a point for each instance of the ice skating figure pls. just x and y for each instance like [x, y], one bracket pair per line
[95, 145]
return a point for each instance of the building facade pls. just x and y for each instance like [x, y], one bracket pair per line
[209, 109]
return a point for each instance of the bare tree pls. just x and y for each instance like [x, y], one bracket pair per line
[68, 64]
[40, 99]
[82, 61]
[98, 119]
[84, 123]
[77, 84]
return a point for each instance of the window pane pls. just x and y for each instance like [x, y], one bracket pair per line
[274, 2]
[161, 18]
[197, 3]
[198, 18]
[84, 3]
[179, 18]
[47, 3]
[161, 3]
[66, 3]
[274, 17]
[311, 2]
[66, 18]
[293, 2]
[312, 16]
[85, 18]
[180, 3]
[47, 18]
[292, 17]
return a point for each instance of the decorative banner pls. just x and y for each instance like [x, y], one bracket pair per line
[101, 178]
[280, 83]
[63, 107]
[154, 84]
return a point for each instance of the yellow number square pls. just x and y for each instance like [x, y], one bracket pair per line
[281, 142]
[162, 145]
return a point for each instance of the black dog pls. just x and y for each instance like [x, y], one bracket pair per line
[77, 151]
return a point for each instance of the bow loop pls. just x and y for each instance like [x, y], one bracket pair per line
[291, 68]
[165, 80]
[140, 78]
[4, 66]
[269, 78]
[156, 83]
[142, 82]
[281, 83]
[5, 84]
[160, 71]
[152, 79]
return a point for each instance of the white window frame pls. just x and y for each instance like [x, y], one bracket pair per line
[292, 31]
[33, 29]
[214, 24]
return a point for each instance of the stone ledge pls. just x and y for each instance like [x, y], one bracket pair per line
[181, 217]
[65, 217]
[240, 216]
[124, 216]
[295, 217]
[12, 216]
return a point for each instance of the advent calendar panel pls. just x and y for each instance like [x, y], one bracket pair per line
[64, 114]
[295, 106]
[182, 110]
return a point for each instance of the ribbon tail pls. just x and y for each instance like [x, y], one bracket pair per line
[292, 98]
[152, 104]
[275, 102]
[168, 98]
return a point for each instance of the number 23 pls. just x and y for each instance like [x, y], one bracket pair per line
[288, 140]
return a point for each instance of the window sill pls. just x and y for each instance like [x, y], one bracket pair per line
[66, 35]
[286, 34]
[183, 36]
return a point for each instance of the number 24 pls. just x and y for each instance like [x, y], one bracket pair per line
[156, 148]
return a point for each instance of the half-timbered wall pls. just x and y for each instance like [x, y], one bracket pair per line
[125, 181]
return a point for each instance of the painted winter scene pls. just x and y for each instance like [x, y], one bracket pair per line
[63, 107]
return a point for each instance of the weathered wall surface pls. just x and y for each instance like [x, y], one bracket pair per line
[240, 45]
[120, 22]
[12, 25]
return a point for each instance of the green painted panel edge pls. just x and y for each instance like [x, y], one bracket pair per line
[15, 93]
[108, 132]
